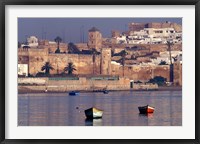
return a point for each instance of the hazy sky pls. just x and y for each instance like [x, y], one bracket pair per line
[70, 29]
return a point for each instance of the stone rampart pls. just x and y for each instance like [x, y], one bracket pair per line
[32, 81]
[83, 84]
[137, 72]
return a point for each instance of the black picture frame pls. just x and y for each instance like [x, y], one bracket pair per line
[4, 3]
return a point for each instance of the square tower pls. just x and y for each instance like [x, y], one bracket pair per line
[94, 39]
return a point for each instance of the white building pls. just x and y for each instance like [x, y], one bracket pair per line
[23, 69]
[151, 36]
[32, 41]
[164, 56]
[121, 39]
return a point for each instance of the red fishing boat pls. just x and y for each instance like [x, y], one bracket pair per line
[146, 109]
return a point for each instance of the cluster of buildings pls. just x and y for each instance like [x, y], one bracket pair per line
[146, 56]
[150, 33]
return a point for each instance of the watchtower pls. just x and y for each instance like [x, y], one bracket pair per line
[94, 39]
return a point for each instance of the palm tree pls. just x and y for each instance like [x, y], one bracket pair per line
[123, 55]
[58, 40]
[94, 53]
[70, 68]
[47, 67]
[169, 44]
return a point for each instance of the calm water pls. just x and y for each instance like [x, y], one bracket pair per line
[120, 109]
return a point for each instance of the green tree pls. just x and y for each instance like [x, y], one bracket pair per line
[158, 80]
[70, 68]
[58, 40]
[162, 62]
[47, 67]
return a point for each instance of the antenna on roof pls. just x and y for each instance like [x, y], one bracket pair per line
[83, 33]
[80, 34]
[63, 34]
[43, 32]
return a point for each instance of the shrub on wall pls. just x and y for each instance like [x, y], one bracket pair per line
[158, 80]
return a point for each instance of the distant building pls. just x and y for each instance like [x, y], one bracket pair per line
[94, 39]
[150, 36]
[32, 41]
[115, 33]
[23, 69]
[167, 24]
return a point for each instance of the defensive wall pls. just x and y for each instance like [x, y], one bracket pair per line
[81, 84]
[85, 64]
[141, 72]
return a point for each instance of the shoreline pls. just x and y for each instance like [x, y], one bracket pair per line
[161, 88]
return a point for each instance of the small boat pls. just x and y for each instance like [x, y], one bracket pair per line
[73, 93]
[105, 91]
[146, 109]
[93, 113]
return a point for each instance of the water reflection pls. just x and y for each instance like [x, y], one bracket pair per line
[149, 115]
[120, 109]
[93, 122]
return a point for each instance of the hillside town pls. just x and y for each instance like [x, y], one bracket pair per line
[143, 54]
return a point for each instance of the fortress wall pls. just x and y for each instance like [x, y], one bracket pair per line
[177, 74]
[60, 61]
[23, 56]
[23, 52]
[83, 84]
[141, 72]
[69, 85]
[162, 70]
[82, 46]
[32, 81]
[83, 63]
[37, 58]
[53, 47]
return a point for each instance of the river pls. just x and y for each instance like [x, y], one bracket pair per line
[120, 108]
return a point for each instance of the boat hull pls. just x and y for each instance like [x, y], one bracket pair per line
[146, 109]
[73, 93]
[105, 92]
[93, 113]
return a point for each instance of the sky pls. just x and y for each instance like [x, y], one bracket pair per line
[73, 29]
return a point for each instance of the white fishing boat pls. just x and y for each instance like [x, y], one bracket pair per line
[93, 113]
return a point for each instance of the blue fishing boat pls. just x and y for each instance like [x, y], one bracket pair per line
[105, 91]
[74, 93]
